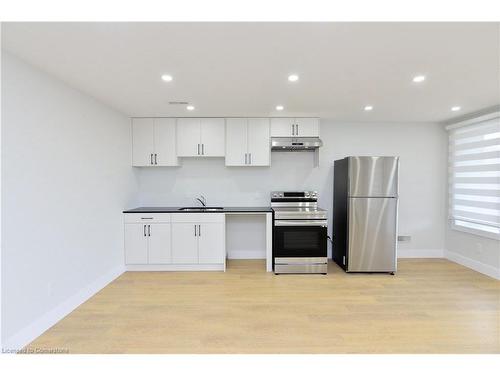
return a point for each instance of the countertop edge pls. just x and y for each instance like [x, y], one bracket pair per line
[159, 210]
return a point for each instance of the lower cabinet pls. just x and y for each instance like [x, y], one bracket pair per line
[211, 243]
[148, 243]
[188, 241]
[160, 245]
[198, 238]
[136, 244]
[184, 243]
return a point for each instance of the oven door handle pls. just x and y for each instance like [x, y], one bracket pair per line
[300, 223]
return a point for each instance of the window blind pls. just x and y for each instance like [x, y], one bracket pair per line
[474, 178]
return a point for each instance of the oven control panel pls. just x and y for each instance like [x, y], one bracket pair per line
[294, 194]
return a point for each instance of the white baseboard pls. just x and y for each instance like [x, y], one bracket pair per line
[39, 326]
[480, 267]
[420, 253]
[175, 267]
[402, 253]
[247, 254]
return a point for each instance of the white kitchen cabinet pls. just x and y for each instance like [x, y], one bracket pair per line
[136, 243]
[295, 127]
[212, 137]
[211, 243]
[154, 142]
[184, 243]
[247, 142]
[159, 247]
[175, 242]
[200, 137]
[282, 127]
[307, 127]
[142, 142]
[147, 239]
[259, 147]
[165, 149]
[236, 141]
[198, 238]
[188, 137]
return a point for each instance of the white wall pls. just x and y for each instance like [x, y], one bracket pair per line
[66, 177]
[421, 146]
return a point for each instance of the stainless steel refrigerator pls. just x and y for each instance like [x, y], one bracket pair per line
[365, 213]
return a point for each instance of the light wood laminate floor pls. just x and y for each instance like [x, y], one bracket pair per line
[429, 306]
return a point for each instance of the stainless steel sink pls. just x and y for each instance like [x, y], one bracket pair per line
[201, 209]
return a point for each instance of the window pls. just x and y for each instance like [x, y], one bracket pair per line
[474, 176]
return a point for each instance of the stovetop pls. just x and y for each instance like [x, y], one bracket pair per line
[299, 213]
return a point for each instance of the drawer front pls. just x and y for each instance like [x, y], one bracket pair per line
[198, 218]
[147, 218]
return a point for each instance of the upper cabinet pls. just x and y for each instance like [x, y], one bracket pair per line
[242, 141]
[201, 137]
[153, 142]
[294, 127]
[247, 142]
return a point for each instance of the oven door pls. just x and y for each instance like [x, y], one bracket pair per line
[300, 239]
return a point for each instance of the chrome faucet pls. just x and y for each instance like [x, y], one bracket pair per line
[202, 200]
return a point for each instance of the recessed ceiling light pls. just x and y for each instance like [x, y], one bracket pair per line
[167, 77]
[368, 108]
[280, 108]
[293, 77]
[418, 79]
[456, 108]
[190, 107]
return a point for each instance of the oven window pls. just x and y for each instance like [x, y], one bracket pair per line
[300, 241]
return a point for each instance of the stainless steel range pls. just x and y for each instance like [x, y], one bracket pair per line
[299, 233]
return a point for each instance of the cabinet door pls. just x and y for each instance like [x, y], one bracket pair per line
[236, 142]
[307, 127]
[160, 249]
[142, 142]
[282, 127]
[259, 142]
[188, 136]
[212, 136]
[165, 142]
[184, 243]
[211, 243]
[136, 244]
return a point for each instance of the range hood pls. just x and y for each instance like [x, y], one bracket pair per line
[295, 143]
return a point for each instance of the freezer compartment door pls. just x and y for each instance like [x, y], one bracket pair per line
[372, 235]
[373, 176]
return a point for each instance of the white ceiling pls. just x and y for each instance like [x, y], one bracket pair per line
[241, 69]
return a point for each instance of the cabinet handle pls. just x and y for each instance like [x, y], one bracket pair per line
[146, 218]
[155, 159]
[296, 129]
[199, 230]
[246, 158]
[195, 230]
[203, 148]
[198, 148]
[149, 230]
[144, 230]
[293, 133]
[250, 158]
[151, 159]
